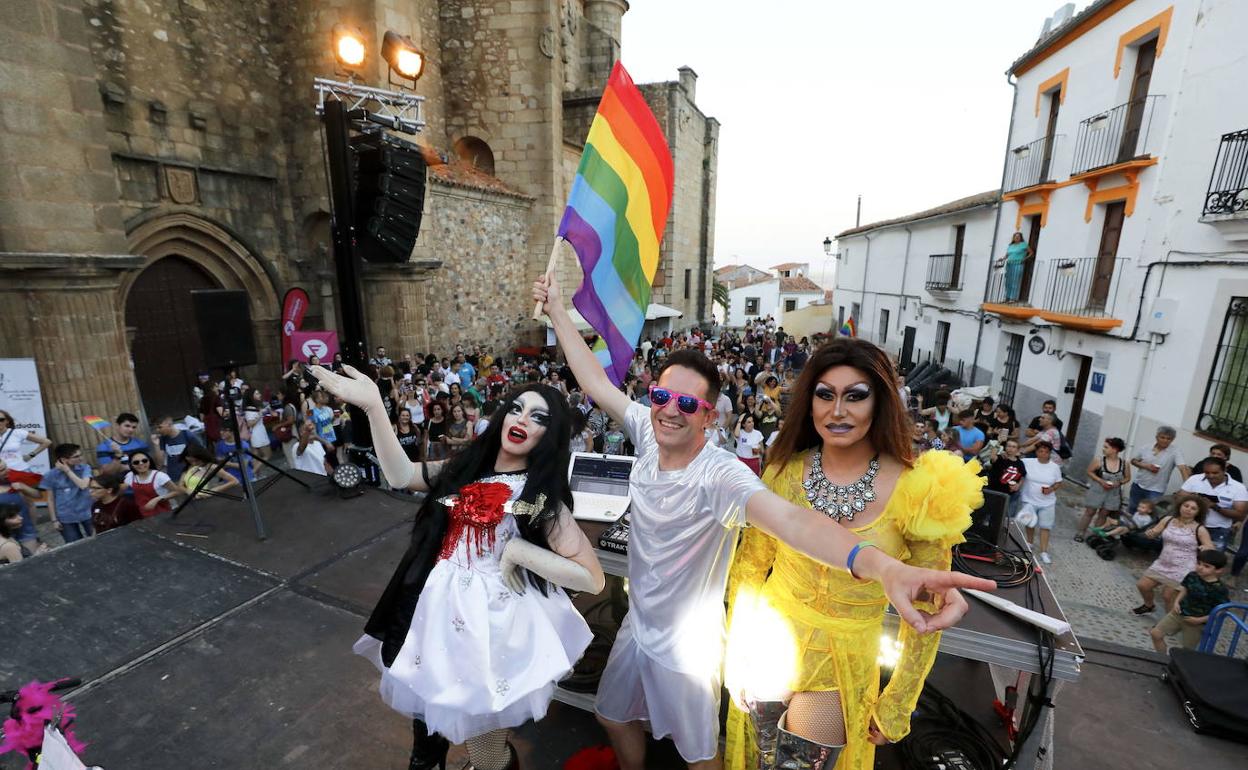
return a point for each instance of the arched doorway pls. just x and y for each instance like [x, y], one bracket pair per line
[165, 344]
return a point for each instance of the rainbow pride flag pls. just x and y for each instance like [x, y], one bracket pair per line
[99, 423]
[849, 328]
[616, 214]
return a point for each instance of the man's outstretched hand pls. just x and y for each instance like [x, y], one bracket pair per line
[906, 585]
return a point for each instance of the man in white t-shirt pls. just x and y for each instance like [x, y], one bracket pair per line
[689, 502]
[1039, 496]
[309, 454]
[1228, 499]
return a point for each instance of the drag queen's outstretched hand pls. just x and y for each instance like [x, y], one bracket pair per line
[352, 386]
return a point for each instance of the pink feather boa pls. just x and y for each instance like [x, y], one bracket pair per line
[36, 706]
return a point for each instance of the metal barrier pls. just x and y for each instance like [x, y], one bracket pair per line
[1219, 617]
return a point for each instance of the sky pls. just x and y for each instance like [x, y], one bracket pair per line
[904, 102]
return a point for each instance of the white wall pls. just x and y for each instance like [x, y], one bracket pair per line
[1202, 101]
[896, 260]
[768, 293]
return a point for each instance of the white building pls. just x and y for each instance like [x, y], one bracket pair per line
[914, 284]
[788, 288]
[1127, 172]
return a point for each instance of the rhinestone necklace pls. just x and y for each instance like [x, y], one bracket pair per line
[839, 502]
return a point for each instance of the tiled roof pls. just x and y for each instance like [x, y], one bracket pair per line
[1071, 26]
[726, 269]
[799, 284]
[787, 265]
[743, 282]
[961, 204]
[450, 170]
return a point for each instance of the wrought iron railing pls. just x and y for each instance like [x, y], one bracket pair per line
[1228, 184]
[1224, 410]
[944, 272]
[1116, 135]
[1033, 163]
[1004, 292]
[1083, 286]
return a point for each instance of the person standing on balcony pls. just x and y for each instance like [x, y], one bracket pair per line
[1016, 255]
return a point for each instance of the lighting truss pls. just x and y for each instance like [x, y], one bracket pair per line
[396, 110]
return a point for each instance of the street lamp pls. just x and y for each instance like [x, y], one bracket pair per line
[827, 246]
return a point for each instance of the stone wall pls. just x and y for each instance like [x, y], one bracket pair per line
[481, 294]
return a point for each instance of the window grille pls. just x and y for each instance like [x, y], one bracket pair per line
[1224, 410]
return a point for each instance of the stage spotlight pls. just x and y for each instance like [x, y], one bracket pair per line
[404, 58]
[348, 477]
[348, 46]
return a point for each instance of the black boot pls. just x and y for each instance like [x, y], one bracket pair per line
[428, 751]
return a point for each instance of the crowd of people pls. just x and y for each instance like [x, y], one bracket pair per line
[845, 400]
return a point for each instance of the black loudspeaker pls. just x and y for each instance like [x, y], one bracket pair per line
[224, 319]
[389, 200]
[988, 520]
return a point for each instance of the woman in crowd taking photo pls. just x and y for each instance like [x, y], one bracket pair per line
[845, 451]
[474, 630]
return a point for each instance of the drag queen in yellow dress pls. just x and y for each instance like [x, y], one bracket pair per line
[806, 642]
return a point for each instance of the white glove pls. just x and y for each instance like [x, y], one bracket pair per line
[356, 388]
[519, 555]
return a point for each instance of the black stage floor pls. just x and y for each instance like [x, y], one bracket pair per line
[201, 647]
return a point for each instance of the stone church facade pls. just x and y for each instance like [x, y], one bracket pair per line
[153, 147]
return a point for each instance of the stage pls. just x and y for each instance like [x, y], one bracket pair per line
[201, 647]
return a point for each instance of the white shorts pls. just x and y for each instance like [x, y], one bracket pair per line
[636, 688]
[1046, 515]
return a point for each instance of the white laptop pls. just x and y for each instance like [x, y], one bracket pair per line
[599, 485]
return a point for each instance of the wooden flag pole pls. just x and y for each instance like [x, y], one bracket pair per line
[550, 268]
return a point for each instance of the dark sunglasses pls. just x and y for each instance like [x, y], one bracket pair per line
[140, 461]
[684, 402]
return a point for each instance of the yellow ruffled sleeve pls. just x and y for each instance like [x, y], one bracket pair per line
[938, 497]
[757, 550]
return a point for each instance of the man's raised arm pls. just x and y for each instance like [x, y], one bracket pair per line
[581, 360]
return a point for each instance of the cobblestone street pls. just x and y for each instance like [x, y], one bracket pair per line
[1097, 595]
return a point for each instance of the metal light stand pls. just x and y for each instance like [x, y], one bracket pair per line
[242, 457]
[344, 106]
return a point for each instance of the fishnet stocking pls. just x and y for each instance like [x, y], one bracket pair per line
[489, 751]
[817, 716]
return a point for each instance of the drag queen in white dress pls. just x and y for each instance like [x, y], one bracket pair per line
[474, 629]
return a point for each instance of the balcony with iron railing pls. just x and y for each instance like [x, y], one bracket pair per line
[944, 273]
[1083, 292]
[1080, 293]
[1033, 163]
[1121, 136]
[1227, 197]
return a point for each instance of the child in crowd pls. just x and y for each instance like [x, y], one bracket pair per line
[225, 445]
[110, 507]
[613, 440]
[69, 505]
[1200, 592]
[199, 462]
[11, 548]
[1115, 526]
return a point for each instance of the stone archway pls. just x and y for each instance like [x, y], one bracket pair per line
[196, 253]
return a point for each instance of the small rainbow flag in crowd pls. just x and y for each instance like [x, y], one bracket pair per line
[849, 328]
[616, 214]
[99, 423]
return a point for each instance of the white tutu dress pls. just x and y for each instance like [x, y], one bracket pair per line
[478, 656]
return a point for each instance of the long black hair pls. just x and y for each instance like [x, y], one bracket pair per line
[547, 473]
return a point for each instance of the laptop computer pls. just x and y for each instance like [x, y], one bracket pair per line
[599, 485]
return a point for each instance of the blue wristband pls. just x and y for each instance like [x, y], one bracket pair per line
[853, 554]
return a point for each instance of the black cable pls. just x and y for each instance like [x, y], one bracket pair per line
[1008, 568]
[939, 726]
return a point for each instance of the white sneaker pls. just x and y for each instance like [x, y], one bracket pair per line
[1044, 557]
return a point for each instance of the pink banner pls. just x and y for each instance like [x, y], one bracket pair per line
[322, 344]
